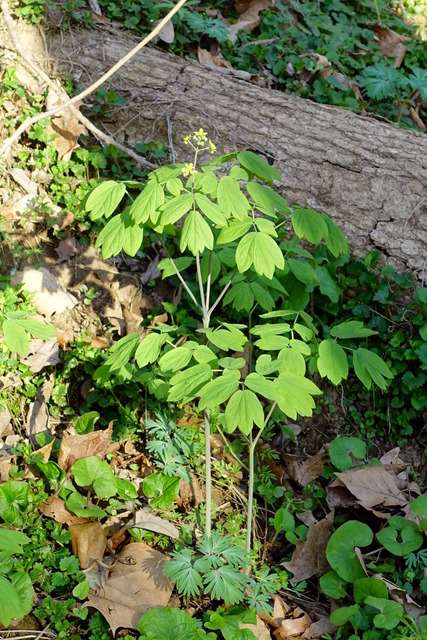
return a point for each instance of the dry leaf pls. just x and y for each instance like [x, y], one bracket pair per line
[373, 486]
[88, 542]
[5, 419]
[309, 558]
[75, 446]
[415, 117]
[132, 320]
[38, 415]
[66, 249]
[319, 628]
[218, 63]
[65, 126]
[249, 18]
[44, 353]
[259, 629]
[49, 296]
[135, 585]
[391, 44]
[55, 508]
[293, 626]
[307, 471]
[280, 611]
[145, 519]
[21, 178]
[338, 496]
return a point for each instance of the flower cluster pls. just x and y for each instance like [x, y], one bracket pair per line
[199, 139]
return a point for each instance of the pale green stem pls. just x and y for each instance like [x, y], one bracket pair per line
[208, 527]
[202, 293]
[252, 444]
[221, 295]
[208, 281]
[181, 279]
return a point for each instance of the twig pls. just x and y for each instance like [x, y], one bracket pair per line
[78, 98]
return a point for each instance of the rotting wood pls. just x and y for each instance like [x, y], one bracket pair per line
[369, 176]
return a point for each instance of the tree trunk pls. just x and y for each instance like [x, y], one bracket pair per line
[368, 175]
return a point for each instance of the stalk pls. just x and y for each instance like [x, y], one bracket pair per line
[208, 525]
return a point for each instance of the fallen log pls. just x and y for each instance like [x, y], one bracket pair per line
[368, 175]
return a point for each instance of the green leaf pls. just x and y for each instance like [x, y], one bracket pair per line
[122, 351]
[335, 240]
[81, 590]
[365, 587]
[340, 551]
[284, 520]
[225, 583]
[351, 329]
[262, 296]
[258, 166]
[126, 490]
[332, 361]
[382, 81]
[175, 208]
[400, 536]
[309, 224]
[78, 505]
[242, 411]
[235, 229]
[175, 359]
[167, 269]
[267, 200]
[368, 366]
[159, 624]
[184, 571]
[132, 239]
[92, 471]
[261, 251]
[333, 586]
[303, 271]
[186, 384]
[11, 605]
[241, 295]
[37, 329]
[12, 541]
[149, 348]
[342, 615]
[230, 198]
[211, 210]
[112, 237]
[418, 82]
[196, 234]
[104, 199]
[226, 340]
[261, 385]
[14, 496]
[339, 450]
[419, 505]
[291, 360]
[391, 612]
[327, 285]
[86, 422]
[214, 393]
[16, 338]
[146, 204]
[294, 394]
[162, 490]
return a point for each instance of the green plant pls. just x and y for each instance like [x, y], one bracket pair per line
[372, 606]
[229, 236]
[16, 587]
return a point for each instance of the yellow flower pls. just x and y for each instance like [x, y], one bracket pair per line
[187, 139]
[188, 169]
[212, 147]
[200, 137]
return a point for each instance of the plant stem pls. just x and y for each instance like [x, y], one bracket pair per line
[181, 279]
[221, 295]
[208, 526]
[202, 293]
[252, 444]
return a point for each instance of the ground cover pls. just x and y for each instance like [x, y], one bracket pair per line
[106, 434]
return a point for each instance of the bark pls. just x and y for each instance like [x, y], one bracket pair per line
[368, 175]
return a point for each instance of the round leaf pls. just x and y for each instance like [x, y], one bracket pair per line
[94, 472]
[340, 551]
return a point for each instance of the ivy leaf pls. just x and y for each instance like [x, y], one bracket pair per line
[351, 329]
[340, 551]
[332, 361]
[149, 348]
[242, 411]
[368, 366]
[196, 234]
[339, 450]
[261, 251]
[400, 536]
[219, 390]
[391, 612]
[258, 166]
[231, 199]
[92, 471]
[309, 224]
[104, 199]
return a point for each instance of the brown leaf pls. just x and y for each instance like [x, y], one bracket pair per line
[373, 486]
[66, 249]
[132, 320]
[293, 626]
[147, 520]
[135, 585]
[249, 18]
[88, 542]
[75, 446]
[65, 126]
[319, 628]
[307, 471]
[38, 415]
[21, 178]
[415, 117]
[338, 496]
[391, 44]
[259, 629]
[309, 558]
[49, 296]
[55, 508]
[44, 353]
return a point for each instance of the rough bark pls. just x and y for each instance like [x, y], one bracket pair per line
[368, 175]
